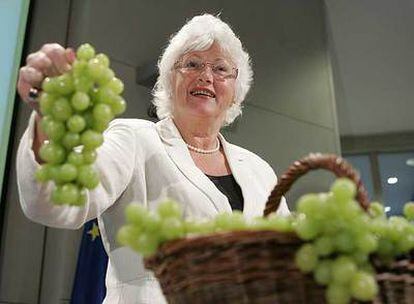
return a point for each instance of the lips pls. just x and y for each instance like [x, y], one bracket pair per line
[199, 92]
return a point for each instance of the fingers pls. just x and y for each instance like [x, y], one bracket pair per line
[51, 60]
[57, 54]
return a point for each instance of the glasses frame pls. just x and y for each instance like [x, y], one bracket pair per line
[178, 66]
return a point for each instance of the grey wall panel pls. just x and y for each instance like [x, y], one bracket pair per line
[61, 252]
[281, 140]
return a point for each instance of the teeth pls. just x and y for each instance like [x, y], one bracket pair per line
[202, 92]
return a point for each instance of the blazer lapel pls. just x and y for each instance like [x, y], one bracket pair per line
[253, 202]
[178, 152]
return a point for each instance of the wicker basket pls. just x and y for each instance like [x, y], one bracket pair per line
[246, 266]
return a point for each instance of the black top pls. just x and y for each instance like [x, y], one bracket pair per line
[229, 187]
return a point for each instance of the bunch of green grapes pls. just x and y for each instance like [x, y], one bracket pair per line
[146, 231]
[341, 237]
[76, 108]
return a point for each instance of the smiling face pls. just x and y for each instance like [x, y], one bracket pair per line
[201, 93]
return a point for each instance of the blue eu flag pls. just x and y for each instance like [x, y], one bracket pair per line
[89, 285]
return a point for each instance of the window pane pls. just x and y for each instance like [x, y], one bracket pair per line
[397, 179]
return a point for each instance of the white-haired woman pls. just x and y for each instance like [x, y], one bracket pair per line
[204, 77]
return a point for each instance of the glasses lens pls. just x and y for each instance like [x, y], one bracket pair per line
[221, 69]
[192, 64]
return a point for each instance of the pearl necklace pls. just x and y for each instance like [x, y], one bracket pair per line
[198, 150]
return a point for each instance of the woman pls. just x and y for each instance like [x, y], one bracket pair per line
[204, 77]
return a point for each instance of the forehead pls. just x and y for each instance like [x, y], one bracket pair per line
[214, 52]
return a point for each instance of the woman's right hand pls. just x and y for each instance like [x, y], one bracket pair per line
[51, 60]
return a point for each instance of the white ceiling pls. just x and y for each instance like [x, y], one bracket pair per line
[372, 47]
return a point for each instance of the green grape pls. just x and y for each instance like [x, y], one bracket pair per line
[68, 172]
[170, 209]
[85, 52]
[128, 234]
[61, 109]
[93, 94]
[87, 115]
[80, 101]
[116, 85]
[105, 77]
[396, 227]
[105, 95]
[343, 268]
[100, 126]
[337, 294]
[87, 176]
[366, 242]
[406, 243]
[54, 130]
[83, 197]
[344, 242]
[260, 223]
[52, 153]
[172, 228]
[146, 244]
[95, 68]
[409, 211]
[306, 228]
[91, 139]
[83, 84]
[57, 195]
[309, 204]
[204, 227]
[89, 156]
[42, 173]
[103, 60]
[79, 68]
[46, 103]
[280, 223]
[76, 123]
[76, 158]
[376, 210]
[385, 248]
[151, 223]
[360, 258]
[324, 245]
[102, 113]
[118, 105]
[343, 189]
[230, 221]
[306, 258]
[69, 194]
[49, 85]
[71, 140]
[65, 84]
[363, 286]
[135, 214]
[322, 272]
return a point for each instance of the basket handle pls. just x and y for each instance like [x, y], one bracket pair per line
[314, 161]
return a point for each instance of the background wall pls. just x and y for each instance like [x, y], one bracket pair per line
[289, 112]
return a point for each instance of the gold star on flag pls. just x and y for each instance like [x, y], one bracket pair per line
[94, 232]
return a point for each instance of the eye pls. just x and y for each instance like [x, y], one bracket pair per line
[192, 64]
[222, 67]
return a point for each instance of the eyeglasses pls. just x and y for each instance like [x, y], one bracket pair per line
[221, 69]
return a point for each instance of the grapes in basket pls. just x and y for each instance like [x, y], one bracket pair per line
[340, 239]
[76, 108]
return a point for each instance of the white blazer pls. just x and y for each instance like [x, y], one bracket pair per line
[143, 162]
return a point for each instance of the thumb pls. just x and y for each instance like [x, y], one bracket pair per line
[70, 55]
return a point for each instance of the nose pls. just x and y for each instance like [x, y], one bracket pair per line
[206, 74]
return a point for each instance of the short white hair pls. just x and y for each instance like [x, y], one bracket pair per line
[199, 34]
